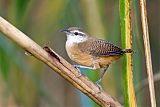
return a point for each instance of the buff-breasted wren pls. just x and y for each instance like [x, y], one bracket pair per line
[91, 52]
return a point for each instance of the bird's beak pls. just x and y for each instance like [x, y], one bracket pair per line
[64, 30]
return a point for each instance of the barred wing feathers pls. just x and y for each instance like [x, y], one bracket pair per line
[98, 47]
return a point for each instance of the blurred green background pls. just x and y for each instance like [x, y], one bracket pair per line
[27, 82]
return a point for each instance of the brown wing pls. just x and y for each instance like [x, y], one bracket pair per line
[99, 47]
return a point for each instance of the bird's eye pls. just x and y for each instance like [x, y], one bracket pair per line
[76, 33]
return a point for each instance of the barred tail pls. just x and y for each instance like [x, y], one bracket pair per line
[127, 50]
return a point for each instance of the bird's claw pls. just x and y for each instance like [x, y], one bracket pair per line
[99, 86]
[79, 75]
[79, 72]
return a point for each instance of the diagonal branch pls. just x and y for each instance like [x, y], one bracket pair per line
[58, 64]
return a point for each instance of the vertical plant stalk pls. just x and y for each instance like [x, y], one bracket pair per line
[129, 93]
[147, 51]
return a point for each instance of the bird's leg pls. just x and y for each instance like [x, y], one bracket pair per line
[80, 66]
[100, 78]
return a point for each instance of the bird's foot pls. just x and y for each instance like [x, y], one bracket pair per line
[79, 72]
[79, 75]
[98, 84]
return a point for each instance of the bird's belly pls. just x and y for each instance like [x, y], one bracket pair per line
[80, 57]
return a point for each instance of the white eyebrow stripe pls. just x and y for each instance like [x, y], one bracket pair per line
[78, 32]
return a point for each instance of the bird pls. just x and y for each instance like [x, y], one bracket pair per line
[90, 52]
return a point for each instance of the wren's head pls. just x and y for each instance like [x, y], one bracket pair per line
[75, 35]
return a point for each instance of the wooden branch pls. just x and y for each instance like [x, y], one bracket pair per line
[147, 51]
[59, 65]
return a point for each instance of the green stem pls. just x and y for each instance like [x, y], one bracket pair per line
[129, 94]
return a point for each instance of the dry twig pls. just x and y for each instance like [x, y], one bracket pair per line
[147, 51]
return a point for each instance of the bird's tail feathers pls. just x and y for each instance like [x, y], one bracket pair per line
[127, 50]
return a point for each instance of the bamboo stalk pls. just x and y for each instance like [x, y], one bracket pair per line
[129, 93]
[59, 65]
[147, 51]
